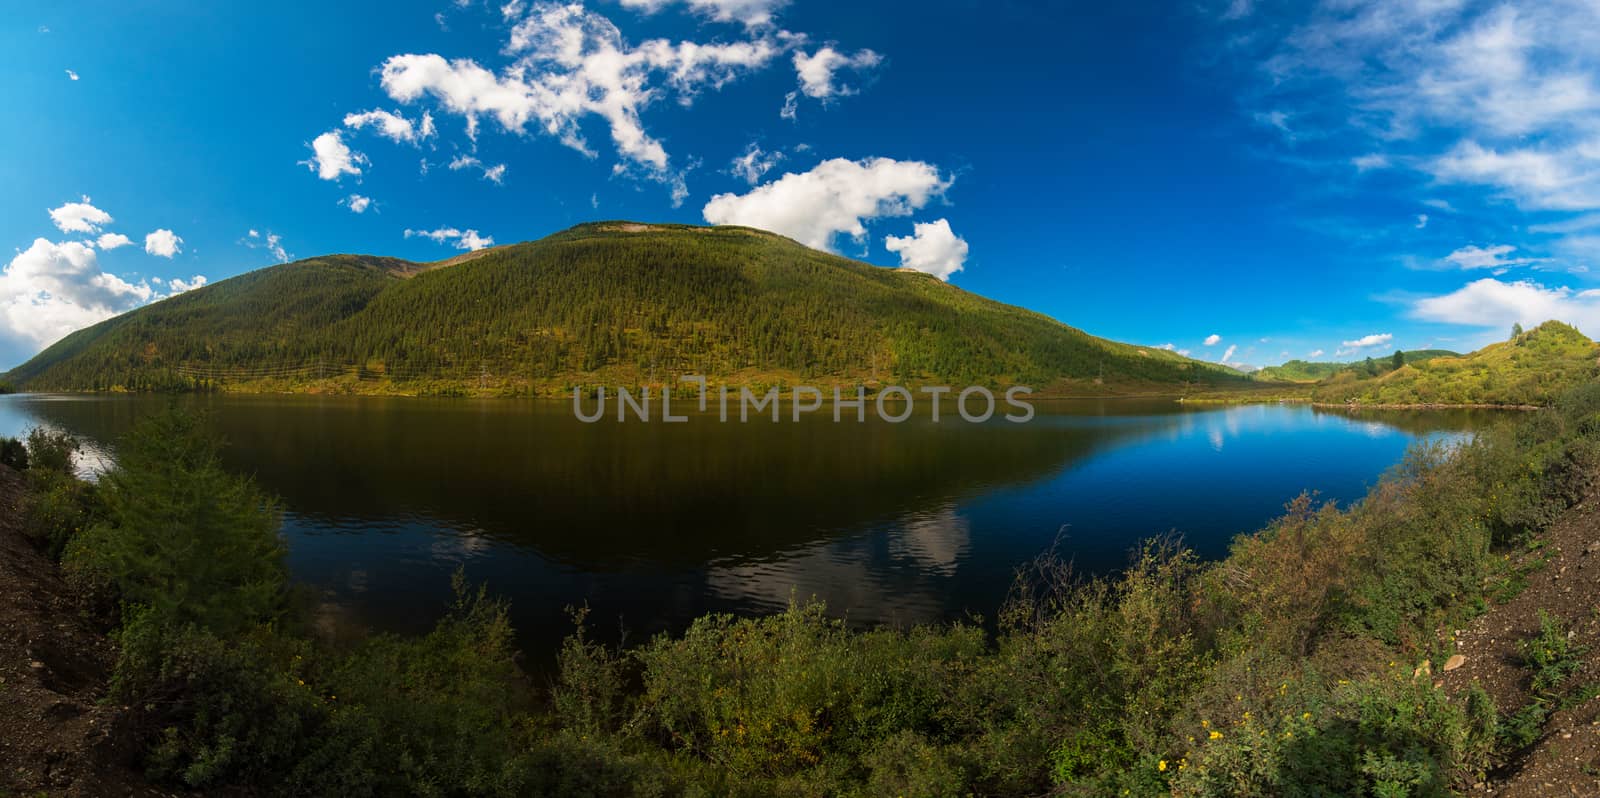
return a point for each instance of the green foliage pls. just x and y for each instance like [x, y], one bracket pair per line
[1285, 669]
[13, 454]
[58, 509]
[598, 304]
[51, 451]
[180, 535]
[1534, 368]
[1304, 371]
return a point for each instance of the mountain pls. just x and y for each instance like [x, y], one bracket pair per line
[609, 303]
[1307, 371]
[1531, 369]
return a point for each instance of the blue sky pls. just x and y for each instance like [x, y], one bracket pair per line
[1250, 181]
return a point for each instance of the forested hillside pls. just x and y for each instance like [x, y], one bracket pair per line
[1532, 368]
[601, 304]
[1310, 371]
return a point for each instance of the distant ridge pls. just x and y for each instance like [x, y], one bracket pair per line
[607, 303]
[1532, 369]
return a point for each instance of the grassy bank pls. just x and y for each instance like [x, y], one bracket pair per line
[1298, 665]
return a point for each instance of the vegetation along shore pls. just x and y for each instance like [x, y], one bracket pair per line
[1323, 655]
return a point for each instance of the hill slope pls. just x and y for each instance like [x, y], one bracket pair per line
[1531, 369]
[1308, 371]
[601, 304]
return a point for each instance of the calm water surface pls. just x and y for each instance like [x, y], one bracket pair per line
[654, 524]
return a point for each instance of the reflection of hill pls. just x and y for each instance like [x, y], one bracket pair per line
[605, 496]
[1419, 422]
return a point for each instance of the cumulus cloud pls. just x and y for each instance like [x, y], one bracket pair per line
[79, 217]
[1365, 342]
[755, 163]
[356, 203]
[112, 240]
[72, 75]
[1491, 303]
[1316, 353]
[836, 196]
[392, 126]
[751, 13]
[1228, 355]
[569, 64]
[932, 247]
[1213, 340]
[331, 158]
[460, 239]
[818, 70]
[51, 289]
[180, 285]
[1422, 221]
[163, 243]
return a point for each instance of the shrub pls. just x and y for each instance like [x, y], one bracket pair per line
[182, 536]
[13, 454]
[51, 451]
[59, 508]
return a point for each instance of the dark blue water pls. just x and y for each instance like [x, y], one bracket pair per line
[652, 524]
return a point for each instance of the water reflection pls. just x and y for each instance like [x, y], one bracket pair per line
[653, 524]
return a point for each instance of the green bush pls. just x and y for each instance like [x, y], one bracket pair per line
[51, 451]
[58, 509]
[180, 535]
[13, 454]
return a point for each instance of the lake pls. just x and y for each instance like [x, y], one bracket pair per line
[654, 524]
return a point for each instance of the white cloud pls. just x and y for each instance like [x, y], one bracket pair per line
[1490, 303]
[163, 243]
[1316, 353]
[332, 159]
[1475, 257]
[1365, 342]
[1169, 347]
[791, 106]
[752, 13]
[79, 217]
[932, 247]
[837, 196]
[272, 243]
[1370, 161]
[460, 239]
[817, 71]
[356, 203]
[179, 285]
[1228, 355]
[755, 163]
[392, 126]
[1499, 97]
[112, 240]
[495, 174]
[52, 289]
[72, 75]
[571, 63]
[1213, 340]
[1422, 221]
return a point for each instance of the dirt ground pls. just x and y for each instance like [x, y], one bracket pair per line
[1566, 759]
[56, 738]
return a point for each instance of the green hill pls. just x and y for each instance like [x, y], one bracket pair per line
[612, 303]
[1308, 371]
[1531, 369]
